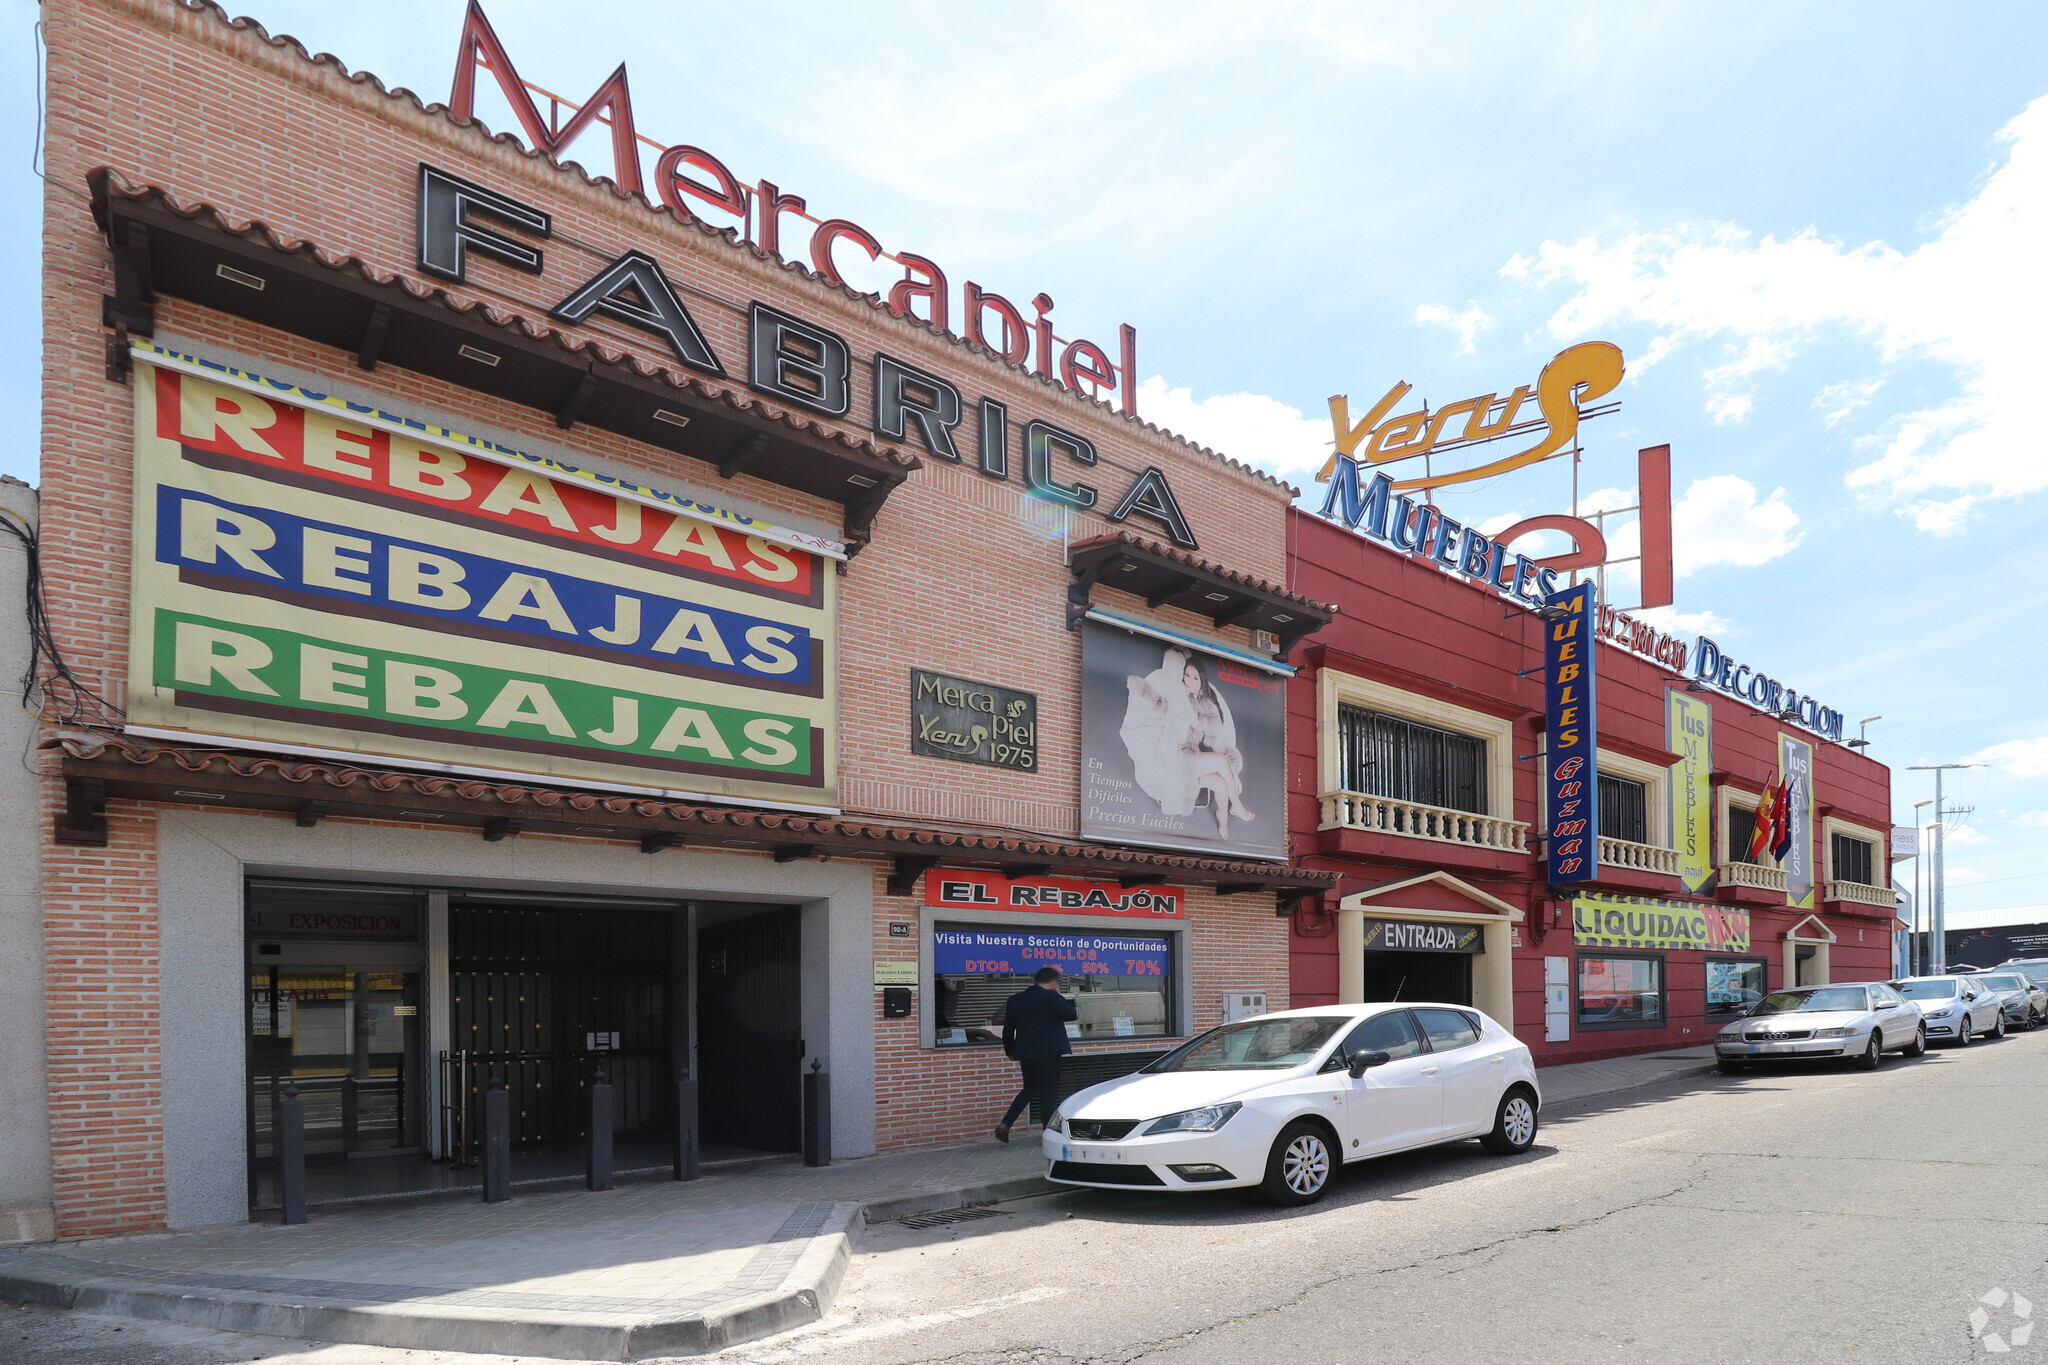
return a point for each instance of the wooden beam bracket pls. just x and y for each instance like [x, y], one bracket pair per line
[791, 853]
[909, 868]
[310, 813]
[499, 828]
[83, 821]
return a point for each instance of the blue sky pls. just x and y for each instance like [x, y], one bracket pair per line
[1815, 230]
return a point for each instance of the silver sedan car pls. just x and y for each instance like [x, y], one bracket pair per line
[2025, 1002]
[1863, 1021]
[1957, 1008]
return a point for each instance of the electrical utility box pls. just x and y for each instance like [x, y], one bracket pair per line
[1557, 999]
[1243, 1005]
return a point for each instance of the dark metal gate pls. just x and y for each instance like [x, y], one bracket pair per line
[749, 1048]
[542, 996]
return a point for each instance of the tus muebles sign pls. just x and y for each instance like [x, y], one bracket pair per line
[315, 575]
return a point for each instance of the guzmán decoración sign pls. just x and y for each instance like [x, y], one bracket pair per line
[315, 575]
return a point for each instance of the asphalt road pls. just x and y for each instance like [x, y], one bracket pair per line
[1796, 1215]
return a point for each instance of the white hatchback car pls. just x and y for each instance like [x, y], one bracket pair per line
[1282, 1100]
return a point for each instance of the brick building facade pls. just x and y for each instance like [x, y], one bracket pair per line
[1424, 662]
[246, 227]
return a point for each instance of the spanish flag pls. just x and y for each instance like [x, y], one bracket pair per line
[1781, 820]
[1765, 834]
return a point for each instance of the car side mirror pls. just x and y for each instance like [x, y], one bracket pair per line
[1366, 1058]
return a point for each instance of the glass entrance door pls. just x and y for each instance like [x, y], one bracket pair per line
[349, 1038]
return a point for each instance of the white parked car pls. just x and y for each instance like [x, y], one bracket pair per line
[1957, 1008]
[1282, 1100]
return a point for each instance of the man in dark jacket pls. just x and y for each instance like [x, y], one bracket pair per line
[1035, 1036]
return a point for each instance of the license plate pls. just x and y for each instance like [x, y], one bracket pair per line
[1091, 1154]
[1777, 1047]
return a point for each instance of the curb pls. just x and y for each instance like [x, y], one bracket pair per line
[1700, 1068]
[807, 1293]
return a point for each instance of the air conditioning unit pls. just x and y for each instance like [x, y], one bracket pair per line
[1243, 1005]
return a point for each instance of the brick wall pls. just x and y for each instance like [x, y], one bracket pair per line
[964, 575]
[947, 1095]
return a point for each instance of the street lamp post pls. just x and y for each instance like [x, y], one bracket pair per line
[1920, 958]
[1939, 930]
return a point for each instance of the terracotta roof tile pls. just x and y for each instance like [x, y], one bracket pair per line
[880, 837]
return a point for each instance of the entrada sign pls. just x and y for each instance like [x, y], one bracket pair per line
[788, 358]
[761, 208]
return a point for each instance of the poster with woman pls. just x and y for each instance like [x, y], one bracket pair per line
[1181, 748]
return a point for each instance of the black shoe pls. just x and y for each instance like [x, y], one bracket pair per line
[1002, 1132]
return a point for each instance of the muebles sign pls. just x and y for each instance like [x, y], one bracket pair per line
[322, 576]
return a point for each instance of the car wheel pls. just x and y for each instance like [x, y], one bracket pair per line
[1729, 1068]
[1299, 1169]
[1918, 1047]
[1963, 1038]
[1873, 1053]
[1998, 1028]
[1514, 1124]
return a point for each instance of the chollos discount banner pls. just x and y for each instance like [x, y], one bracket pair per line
[321, 576]
[998, 952]
[1571, 784]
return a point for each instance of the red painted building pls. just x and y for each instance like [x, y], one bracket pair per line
[1415, 750]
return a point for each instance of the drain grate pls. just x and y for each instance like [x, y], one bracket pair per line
[943, 1216]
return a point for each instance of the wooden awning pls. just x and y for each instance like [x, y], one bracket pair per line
[196, 253]
[1165, 576]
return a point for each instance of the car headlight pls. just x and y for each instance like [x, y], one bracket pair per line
[1731, 1033]
[1833, 1032]
[1057, 1123]
[1944, 1012]
[1204, 1120]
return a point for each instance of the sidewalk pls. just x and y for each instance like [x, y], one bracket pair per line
[655, 1268]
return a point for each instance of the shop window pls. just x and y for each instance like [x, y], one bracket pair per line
[1624, 809]
[1853, 860]
[1121, 984]
[1383, 755]
[1741, 829]
[1621, 990]
[1734, 985]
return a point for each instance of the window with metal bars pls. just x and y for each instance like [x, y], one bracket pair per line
[1384, 755]
[1853, 861]
[1624, 809]
[1741, 829]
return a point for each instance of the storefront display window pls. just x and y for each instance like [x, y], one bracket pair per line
[1734, 985]
[1618, 990]
[1120, 983]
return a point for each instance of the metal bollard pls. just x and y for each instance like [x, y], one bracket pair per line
[817, 1116]
[291, 1153]
[686, 1162]
[597, 1147]
[497, 1142]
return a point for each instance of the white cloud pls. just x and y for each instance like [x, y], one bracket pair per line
[1963, 876]
[1251, 427]
[1970, 297]
[2033, 819]
[1966, 835]
[1467, 322]
[1839, 401]
[2024, 758]
[1687, 622]
[1720, 521]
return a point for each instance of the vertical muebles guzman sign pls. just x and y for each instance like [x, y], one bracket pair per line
[1180, 748]
[1571, 783]
[316, 575]
[1689, 732]
[1795, 767]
